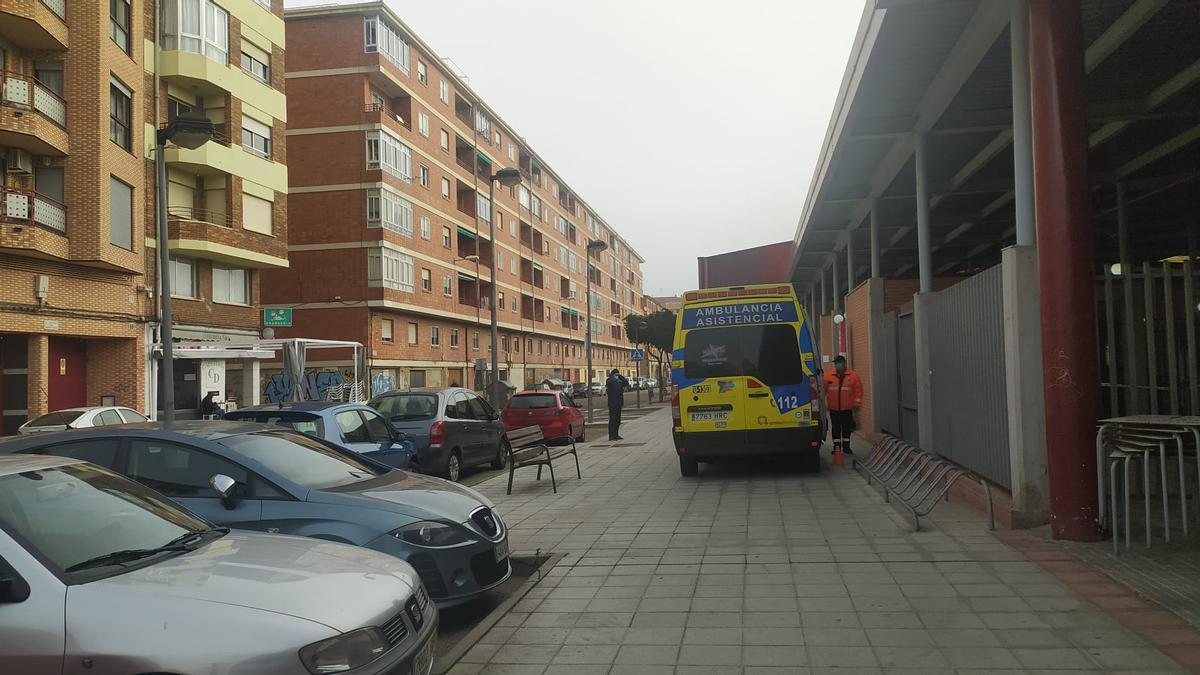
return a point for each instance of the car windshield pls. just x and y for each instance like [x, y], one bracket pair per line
[769, 353]
[80, 512]
[407, 406]
[301, 459]
[305, 423]
[527, 401]
[56, 418]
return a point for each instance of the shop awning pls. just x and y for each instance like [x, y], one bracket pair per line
[464, 276]
[465, 232]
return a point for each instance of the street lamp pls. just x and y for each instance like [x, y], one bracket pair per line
[507, 178]
[596, 245]
[189, 130]
[641, 326]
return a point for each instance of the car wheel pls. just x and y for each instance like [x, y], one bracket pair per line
[811, 462]
[453, 470]
[688, 467]
[582, 437]
[501, 460]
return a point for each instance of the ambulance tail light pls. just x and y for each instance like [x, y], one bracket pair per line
[676, 419]
[815, 393]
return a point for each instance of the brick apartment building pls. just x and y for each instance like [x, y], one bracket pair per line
[391, 155]
[81, 93]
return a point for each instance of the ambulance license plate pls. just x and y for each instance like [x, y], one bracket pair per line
[710, 417]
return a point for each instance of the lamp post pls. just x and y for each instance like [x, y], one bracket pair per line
[506, 177]
[188, 130]
[596, 245]
[637, 392]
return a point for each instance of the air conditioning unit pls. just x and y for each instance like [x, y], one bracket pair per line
[19, 161]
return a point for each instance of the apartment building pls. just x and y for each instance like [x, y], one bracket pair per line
[389, 233]
[81, 93]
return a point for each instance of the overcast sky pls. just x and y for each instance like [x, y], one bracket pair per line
[691, 126]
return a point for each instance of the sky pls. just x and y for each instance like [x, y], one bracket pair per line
[692, 127]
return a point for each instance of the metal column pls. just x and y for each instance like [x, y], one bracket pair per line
[837, 289]
[1132, 371]
[924, 242]
[824, 307]
[1022, 127]
[849, 261]
[876, 262]
[1065, 243]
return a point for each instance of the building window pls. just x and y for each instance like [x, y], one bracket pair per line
[445, 237]
[256, 137]
[183, 278]
[514, 304]
[423, 124]
[446, 188]
[447, 285]
[500, 299]
[435, 336]
[385, 330]
[454, 338]
[445, 140]
[120, 213]
[529, 345]
[412, 332]
[423, 175]
[256, 62]
[390, 269]
[380, 36]
[444, 91]
[422, 74]
[483, 208]
[475, 340]
[231, 285]
[198, 26]
[120, 112]
[257, 214]
[512, 265]
[425, 228]
[426, 280]
[385, 151]
[504, 342]
[512, 152]
[483, 124]
[118, 23]
[390, 211]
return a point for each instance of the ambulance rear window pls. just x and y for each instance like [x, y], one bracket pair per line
[769, 353]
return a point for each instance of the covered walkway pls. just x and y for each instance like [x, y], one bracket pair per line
[1005, 214]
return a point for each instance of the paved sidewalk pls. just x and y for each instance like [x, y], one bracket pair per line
[764, 569]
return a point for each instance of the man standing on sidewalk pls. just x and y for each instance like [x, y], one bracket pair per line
[843, 398]
[615, 387]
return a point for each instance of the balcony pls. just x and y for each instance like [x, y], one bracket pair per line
[201, 233]
[204, 76]
[31, 208]
[219, 157]
[35, 24]
[33, 116]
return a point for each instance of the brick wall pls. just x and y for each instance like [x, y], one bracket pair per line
[38, 364]
[858, 334]
[109, 364]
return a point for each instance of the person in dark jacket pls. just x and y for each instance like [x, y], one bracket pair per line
[209, 408]
[615, 387]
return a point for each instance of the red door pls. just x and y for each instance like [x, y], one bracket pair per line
[68, 373]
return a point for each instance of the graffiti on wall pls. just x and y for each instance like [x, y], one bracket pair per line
[382, 381]
[277, 387]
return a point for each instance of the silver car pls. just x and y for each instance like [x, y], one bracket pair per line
[82, 418]
[100, 575]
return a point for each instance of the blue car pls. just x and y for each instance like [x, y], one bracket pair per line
[257, 477]
[351, 425]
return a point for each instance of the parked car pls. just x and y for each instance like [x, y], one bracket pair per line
[650, 382]
[80, 418]
[598, 389]
[93, 564]
[553, 411]
[258, 477]
[450, 427]
[579, 389]
[355, 426]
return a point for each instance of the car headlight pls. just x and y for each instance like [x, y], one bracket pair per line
[344, 652]
[433, 534]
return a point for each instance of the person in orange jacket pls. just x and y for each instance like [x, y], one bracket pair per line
[843, 398]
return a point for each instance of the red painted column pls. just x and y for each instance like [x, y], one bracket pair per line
[1065, 241]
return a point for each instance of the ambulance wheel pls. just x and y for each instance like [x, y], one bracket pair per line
[688, 467]
[811, 462]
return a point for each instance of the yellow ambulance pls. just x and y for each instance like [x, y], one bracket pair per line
[747, 373]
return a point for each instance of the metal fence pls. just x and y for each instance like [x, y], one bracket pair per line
[970, 411]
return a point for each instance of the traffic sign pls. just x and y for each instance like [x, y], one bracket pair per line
[637, 354]
[277, 316]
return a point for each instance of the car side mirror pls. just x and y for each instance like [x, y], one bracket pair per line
[224, 486]
[398, 437]
[13, 588]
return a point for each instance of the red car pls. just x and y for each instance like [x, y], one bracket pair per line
[554, 411]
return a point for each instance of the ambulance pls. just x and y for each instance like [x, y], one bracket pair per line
[747, 371]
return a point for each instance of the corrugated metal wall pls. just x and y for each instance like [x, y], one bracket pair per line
[970, 411]
[885, 381]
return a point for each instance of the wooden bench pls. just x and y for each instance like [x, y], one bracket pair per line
[527, 447]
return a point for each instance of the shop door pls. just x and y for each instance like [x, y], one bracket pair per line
[67, 376]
